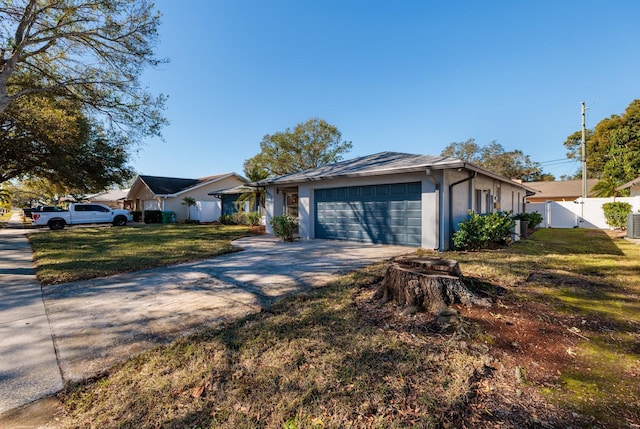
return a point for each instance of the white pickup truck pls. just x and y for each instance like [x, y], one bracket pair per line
[81, 213]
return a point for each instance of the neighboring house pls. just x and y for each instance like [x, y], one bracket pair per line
[115, 198]
[633, 186]
[229, 196]
[562, 190]
[168, 193]
[390, 198]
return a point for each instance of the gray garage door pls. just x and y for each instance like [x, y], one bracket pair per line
[388, 214]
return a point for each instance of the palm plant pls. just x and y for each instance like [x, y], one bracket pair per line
[256, 196]
[189, 202]
[606, 187]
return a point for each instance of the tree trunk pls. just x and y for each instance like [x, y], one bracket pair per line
[425, 283]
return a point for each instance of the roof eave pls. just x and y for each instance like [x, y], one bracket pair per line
[380, 172]
[629, 184]
[199, 185]
[338, 176]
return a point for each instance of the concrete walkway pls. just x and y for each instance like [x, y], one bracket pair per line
[99, 322]
[28, 367]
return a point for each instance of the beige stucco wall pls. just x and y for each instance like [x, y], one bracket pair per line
[174, 203]
[200, 193]
[138, 194]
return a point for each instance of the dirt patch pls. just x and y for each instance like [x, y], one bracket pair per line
[527, 349]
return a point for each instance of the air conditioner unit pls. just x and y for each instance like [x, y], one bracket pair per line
[633, 225]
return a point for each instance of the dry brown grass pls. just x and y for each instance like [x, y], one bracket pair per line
[311, 361]
[560, 348]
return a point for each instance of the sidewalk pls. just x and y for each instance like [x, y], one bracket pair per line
[28, 365]
[99, 322]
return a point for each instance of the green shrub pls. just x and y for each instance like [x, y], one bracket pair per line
[152, 216]
[137, 216]
[478, 231]
[227, 219]
[253, 218]
[616, 214]
[284, 226]
[534, 218]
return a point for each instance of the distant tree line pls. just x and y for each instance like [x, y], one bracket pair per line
[613, 150]
[493, 157]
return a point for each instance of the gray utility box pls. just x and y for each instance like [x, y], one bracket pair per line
[633, 225]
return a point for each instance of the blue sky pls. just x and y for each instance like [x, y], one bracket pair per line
[408, 76]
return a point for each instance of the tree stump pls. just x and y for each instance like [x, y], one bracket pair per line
[426, 283]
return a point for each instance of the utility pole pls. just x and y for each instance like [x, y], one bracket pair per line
[584, 152]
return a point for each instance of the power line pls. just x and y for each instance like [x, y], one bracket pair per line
[557, 162]
[554, 160]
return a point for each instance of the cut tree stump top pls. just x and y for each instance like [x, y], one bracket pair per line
[431, 265]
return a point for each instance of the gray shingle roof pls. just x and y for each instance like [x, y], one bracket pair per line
[369, 165]
[112, 195]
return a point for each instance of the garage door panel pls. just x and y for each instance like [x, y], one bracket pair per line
[414, 222]
[399, 189]
[397, 205]
[414, 205]
[397, 221]
[414, 238]
[389, 214]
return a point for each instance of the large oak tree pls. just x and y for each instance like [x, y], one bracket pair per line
[310, 144]
[74, 67]
[51, 139]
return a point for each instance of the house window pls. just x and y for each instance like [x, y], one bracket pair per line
[489, 201]
[291, 204]
[479, 201]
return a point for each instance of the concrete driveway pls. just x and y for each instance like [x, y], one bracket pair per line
[97, 323]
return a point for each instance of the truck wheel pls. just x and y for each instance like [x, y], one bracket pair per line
[56, 224]
[119, 221]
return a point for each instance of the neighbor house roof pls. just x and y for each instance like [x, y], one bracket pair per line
[236, 190]
[112, 195]
[634, 182]
[172, 186]
[380, 164]
[561, 189]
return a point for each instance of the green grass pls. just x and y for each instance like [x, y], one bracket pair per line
[84, 253]
[331, 358]
[593, 279]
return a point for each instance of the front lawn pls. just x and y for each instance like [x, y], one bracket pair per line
[560, 347]
[83, 253]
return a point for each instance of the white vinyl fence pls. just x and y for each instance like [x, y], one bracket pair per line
[581, 213]
[206, 211]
